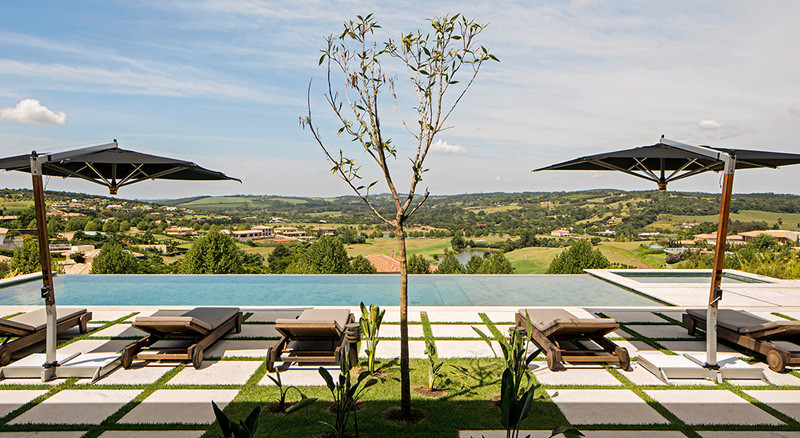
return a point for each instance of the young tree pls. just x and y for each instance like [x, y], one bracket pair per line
[360, 265]
[214, 253]
[450, 265]
[579, 256]
[327, 256]
[497, 263]
[113, 259]
[474, 264]
[417, 264]
[433, 61]
[26, 258]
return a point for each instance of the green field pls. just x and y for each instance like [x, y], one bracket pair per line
[790, 221]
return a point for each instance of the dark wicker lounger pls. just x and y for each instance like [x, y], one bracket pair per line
[31, 327]
[316, 336]
[559, 334]
[753, 333]
[201, 326]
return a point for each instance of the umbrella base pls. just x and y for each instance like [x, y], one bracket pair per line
[690, 366]
[731, 367]
[86, 365]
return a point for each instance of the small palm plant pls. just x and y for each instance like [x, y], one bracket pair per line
[370, 323]
[345, 396]
[434, 367]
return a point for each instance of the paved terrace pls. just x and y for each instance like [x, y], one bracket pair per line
[174, 400]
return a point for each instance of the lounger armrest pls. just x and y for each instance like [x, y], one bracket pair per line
[788, 325]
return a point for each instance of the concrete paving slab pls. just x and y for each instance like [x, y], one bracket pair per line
[603, 406]
[661, 331]
[109, 315]
[270, 315]
[226, 372]
[640, 376]
[704, 406]
[780, 379]
[140, 373]
[748, 434]
[179, 406]
[626, 316]
[388, 349]
[636, 347]
[681, 347]
[152, 433]
[95, 346]
[786, 402]
[10, 310]
[300, 375]
[440, 330]
[90, 406]
[43, 434]
[75, 331]
[575, 375]
[255, 331]
[119, 331]
[12, 399]
[239, 348]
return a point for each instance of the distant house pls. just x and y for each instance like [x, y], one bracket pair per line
[711, 239]
[781, 236]
[289, 232]
[384, 264]
[607, 233]
[560, 233]
[324, 231]
[180, 231]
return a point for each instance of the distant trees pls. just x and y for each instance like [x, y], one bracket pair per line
[417, 264]
[494, 263]
[26, 258]
[579, 256]
[360, 265]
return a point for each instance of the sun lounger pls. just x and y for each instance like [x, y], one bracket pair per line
[316, 336]
[201, 326]
[30, 328]
[566, 338]
[753, 333]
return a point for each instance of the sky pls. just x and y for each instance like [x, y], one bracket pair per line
[223, 83]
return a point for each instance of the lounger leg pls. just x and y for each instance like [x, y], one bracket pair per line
[83, 325]
[691, 325]
[129, 353]
[5, 355]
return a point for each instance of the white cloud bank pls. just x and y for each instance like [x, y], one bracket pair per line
[795, 109]
[710, 124]
[444, 147]
[31, 111]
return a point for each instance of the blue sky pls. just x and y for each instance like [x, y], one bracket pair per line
[223, 83]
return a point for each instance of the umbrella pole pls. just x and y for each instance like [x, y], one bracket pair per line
[51, 363]
[719, 257]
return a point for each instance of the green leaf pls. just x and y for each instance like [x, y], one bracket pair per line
[321, 59]
[251, 423]
[222, 419]
[303, 403]
[328, 379]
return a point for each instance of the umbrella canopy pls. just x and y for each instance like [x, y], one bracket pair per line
[665, 161]
[112, 167]
[107, 165]
[668, 161]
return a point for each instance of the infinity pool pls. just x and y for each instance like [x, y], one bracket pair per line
[308, 290]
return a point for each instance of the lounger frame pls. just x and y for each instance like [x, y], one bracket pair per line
[26, 338]
[560, 349]
[345, 342]
[777, 358]
[201, 339]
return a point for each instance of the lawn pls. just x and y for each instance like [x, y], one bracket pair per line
[459, 408]
[426, 247]
[533, 260]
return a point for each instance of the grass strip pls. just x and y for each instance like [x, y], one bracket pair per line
[670, 319]
[784, 316]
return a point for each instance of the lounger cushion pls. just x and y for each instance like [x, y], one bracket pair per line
[742, 322]
[336, 318]
[37, 320]
[546, 319]
[207, 318]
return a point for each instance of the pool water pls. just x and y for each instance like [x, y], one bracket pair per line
[308, 290]
[686, 278]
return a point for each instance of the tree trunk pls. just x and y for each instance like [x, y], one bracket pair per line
[405, 372]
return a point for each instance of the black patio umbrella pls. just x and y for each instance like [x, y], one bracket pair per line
[668, 161]
[107, 165]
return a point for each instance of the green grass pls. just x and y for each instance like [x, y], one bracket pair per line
[790, 221]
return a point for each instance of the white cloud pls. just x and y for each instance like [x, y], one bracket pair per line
[795, 109]
[579, 5]
[31, 111]
[710, 124]
[498, 179]
[444, 147]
